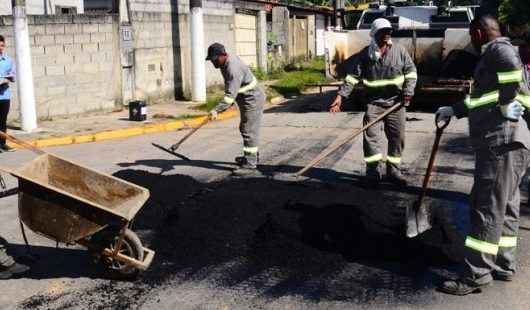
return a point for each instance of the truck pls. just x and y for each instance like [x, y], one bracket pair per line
[437, 39]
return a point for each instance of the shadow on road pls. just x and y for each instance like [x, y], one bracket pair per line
[314, 239]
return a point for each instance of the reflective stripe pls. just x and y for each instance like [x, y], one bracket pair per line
[351, 80]
[488, 98]
[411, 76]
[493, 97]
[482, 246]
[508, 242]
[250, 149]
[248, 87]
[394, 160]
[228, 100]
[523, 99]
[373, 158]
[397, 81]
[510, 77]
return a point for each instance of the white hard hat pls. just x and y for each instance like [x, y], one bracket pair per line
[379, 24]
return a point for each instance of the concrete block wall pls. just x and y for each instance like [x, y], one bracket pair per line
[38, 7]
[162, 42]
[75, 63]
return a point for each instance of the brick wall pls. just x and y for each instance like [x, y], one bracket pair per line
[75, 63]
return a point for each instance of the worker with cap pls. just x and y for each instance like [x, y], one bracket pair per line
[241, 87]
[389, 77]
[500, 139]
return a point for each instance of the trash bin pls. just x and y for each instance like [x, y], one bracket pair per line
[137, 111]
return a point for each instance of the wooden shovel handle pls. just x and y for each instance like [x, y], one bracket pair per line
[22, 143]
[334, 148]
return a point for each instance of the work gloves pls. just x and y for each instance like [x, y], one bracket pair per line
[444, 114]
[213, 115]
[512, 111]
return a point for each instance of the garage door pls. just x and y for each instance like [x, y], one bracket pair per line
[246, 42]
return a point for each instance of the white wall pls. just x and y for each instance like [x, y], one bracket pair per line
[39, 7]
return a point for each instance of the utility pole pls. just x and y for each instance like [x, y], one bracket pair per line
[198, 62]
[25, 87]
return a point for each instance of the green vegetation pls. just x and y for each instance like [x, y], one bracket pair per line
[515, 12]
[297, 76]
[289, 80]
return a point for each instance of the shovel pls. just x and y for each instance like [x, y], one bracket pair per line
[419, 215]
[172, 149]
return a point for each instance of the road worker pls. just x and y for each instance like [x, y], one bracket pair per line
[500, 139]
[8, 266]
[241, 87]
[389, 77]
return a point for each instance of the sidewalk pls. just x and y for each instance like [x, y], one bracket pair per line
[101, 125]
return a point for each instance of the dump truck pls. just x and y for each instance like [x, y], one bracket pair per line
[436, 38]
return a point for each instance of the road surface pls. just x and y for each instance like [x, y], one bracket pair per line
[267, 242]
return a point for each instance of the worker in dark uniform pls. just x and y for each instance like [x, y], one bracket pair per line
[500, 140]
[389, 76]
[241, 87]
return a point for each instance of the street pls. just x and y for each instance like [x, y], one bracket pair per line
[323, 242]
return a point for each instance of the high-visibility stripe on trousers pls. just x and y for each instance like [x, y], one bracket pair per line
[494, 211]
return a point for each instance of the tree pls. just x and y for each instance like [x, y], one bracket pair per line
[515, 12]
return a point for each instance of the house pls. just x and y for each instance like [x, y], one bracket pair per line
[46, 7]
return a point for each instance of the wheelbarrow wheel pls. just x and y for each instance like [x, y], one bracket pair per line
[131, 246]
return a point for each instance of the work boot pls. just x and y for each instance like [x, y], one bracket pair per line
[394, 176]
[373, 176]
[242, 160]
[503, 276]
[16, 268]
[461, 287]
[248, 166]
[6, 148]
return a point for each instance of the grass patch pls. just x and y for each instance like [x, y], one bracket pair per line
[295, 78]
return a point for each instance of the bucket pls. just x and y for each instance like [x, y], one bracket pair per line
[137, 111]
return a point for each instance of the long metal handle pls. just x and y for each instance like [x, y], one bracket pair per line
[194, 130]
[333, 149]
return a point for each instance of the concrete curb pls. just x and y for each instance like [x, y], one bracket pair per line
[126, 132]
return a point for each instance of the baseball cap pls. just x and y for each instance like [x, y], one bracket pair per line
[215, 50]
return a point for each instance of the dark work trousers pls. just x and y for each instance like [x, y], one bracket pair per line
[394, 128]
[4, 110]
[494, 206]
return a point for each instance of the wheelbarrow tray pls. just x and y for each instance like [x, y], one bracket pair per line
[68, 202]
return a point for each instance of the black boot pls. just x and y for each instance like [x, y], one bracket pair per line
[394, 176]
[373, 176]
[16, 268]
[461, 287]
[248, 166]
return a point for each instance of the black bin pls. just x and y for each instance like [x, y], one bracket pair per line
[137, 111]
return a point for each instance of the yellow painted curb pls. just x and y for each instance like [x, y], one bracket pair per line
[127, 132]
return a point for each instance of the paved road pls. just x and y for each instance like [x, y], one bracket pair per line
[268, 242]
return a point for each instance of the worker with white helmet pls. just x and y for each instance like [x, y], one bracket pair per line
[389, 77]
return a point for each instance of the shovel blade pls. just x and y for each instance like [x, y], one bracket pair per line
[170, 152]
[418, 220]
